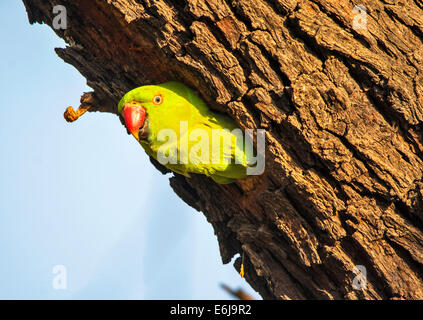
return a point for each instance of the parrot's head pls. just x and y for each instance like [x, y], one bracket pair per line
[147, 109]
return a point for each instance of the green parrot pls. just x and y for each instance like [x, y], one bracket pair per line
[173, 123]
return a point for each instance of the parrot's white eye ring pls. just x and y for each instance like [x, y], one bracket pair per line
[157, 100]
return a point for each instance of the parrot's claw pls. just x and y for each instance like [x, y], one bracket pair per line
[71, 115]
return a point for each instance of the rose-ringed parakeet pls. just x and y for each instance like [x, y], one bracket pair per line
[151, 112]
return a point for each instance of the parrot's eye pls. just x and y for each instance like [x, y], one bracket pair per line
[158, 99]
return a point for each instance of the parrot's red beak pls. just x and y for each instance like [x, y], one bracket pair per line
[134, 116]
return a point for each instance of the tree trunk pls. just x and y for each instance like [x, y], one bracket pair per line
[342, 107]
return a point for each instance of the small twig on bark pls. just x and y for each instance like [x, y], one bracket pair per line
[240, 294]
[87, 101]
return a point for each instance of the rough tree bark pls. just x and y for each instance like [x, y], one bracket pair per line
[343, 111]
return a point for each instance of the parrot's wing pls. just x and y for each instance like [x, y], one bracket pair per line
[225, 163]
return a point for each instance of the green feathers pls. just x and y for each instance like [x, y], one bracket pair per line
[175, 126]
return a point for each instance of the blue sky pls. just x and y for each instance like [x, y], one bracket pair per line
[85, 195]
